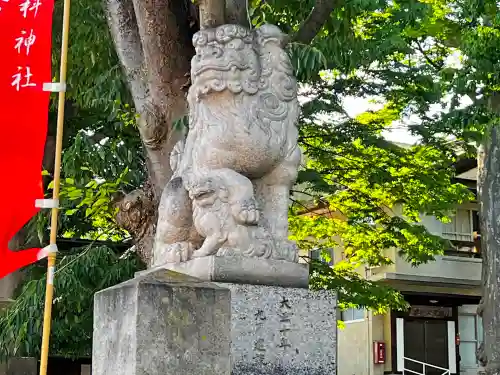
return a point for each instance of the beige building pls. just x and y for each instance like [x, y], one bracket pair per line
[440, 332]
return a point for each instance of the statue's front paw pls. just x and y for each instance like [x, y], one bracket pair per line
[248, 213]
[211, 245]
[202, 253]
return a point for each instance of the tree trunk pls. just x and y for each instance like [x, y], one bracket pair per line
[153, 42]
[236, 12]
[155, 51]
[489, 198]
[212, 13]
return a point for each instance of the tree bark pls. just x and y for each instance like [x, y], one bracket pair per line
[123, 26]
[236, 12]
[212, 13]
[153, 42]
[489, 198]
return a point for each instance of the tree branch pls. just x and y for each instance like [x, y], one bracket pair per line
[314, 22]
[236, 12]
[123, 26]
[212, 13]
[427, 58]
[165, 28]
[166, 39]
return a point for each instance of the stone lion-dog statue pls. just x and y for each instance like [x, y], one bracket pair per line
[234, 170]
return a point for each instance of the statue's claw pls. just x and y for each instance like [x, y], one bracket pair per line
[247, 213]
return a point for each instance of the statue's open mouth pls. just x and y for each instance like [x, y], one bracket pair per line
[203, 194]
[221, 66]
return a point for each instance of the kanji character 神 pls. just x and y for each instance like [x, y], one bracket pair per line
[25, 41]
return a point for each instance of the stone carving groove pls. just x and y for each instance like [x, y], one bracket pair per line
[229, 194]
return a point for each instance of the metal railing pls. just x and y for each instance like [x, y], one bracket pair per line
[444, 371]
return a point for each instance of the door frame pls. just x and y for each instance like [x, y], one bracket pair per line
[424, 298]
[400, 340]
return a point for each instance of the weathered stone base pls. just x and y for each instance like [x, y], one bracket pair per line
[282, 331]
[167, 323]
[268, 369]
[242, 270]
[20, 366]
[162, 323]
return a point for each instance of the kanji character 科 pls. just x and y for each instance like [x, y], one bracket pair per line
[30, 6]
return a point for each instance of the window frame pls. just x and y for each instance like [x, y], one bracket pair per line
[316, 255]
[456, 235]
[352, 317]
[477, 341]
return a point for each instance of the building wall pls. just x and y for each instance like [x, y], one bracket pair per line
[445, 267]
[432, 224]
[353, 352]
[355, 356]
[355, 345]
[378, 333]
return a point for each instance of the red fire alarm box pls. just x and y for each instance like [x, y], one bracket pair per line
[378, 352]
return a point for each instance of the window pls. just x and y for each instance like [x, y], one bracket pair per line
[462, 226]
[352, 314]
[318, 255]
[470, 328]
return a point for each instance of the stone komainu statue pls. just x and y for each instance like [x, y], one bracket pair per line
[229, 193]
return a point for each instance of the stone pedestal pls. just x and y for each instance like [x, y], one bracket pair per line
[85, 370]
[5, 302]
[162, 323]
[278, 326]
[282, 331]
[242, 270]
[22, 366]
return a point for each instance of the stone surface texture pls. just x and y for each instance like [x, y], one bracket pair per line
[162, 323]
[22, 366]
[229, 193]
[282, 331]
[242, 270]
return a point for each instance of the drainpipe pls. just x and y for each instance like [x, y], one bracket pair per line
[370, 335]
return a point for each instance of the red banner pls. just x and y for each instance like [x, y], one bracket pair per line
[24, 105]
